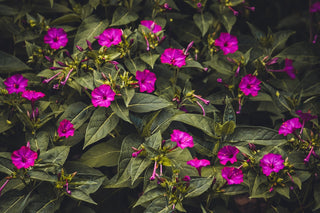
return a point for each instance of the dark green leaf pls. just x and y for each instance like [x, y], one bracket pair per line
[42, 175]
[149, 196]
[100, 125]
[138, 166]
[142, 102]
[316, 195]
[122, 16]
[149, 58]
[56, 155]
[198, 186]
[284, 191]
[9, 63]
[121, 110]
[203, 21]
[80, 195]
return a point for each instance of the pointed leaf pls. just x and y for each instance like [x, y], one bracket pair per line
[198, 186]
[149, 58]
[203, 21]
[142, 102]
[122, 16]
[9, 63]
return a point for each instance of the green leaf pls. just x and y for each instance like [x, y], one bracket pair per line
[228, 128]
[258, 34]
[94, 3]
[203, 21]
[121, 110]
[142, 102]
[6, 165]
[220, 65]
[86, 81]
[4, 125]
[229, 114]
[101, 123]
[301, 52]
[159, 205]
[228, 19]
[39, 141]
[9, 63]
[56, 155]
[89, 28]
[138, 165]
[103, 154]
[154, 141]
[12, 202]
[122, 16]
[80, 195]
[68, 18]
[149, 196]
[133, 65]
[316, 195]
[127, 94]
[149, 58]
[198, 186]
[179, 157]
[284, 191]
[42, 176]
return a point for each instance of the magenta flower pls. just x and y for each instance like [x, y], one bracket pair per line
[315, 7]
[151, 25]
[289, 69]
[56, 38]
[146, 80]
[232, 175]
[250, 85]
[65, 128]
[24, 157]
[228, 153]
[172, 56]
[198, 164]
[227, 43]
[32, 95]
[289, 126]
[305, 116]
[271, 163]
[16, 83]
[110, 37]
[182, 139]
[102, 96]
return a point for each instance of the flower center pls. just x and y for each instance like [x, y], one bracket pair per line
[64, 130]
[225, 44]
[16, 86]
[55, 39]
[104, 98]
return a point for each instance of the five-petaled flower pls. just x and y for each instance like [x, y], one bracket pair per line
[250, 84]
[56, 38]
[227, 43]
[151, 25]
[289, 69]
[228, 153]
[102, 96]
[146, 80]
[24, 157]
[175, 57]
[32, 95]
[232, 175]
[65, 128]
[182, 139]
[271, 163]
[198, 164]
[109, 37]
[289, 126]
[16, 83]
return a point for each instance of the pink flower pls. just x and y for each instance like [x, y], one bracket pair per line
[271, 163]
[289, 69]
[250, 85]
[146, 80]
[182, 139]
[32, 95]
[228, 153]
[305, 116]
[151, 25]
[24, 157]
[227, 43]
[289, 126]
[172, 56]
[110, 37]
[315, 7]
[65, 128]
[232, 175]
[198, 164]
[102, 96]
[16, 83]
[56, 38]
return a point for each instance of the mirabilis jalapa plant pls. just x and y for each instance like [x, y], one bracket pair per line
[158, 106]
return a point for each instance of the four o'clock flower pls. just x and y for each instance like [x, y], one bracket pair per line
[315, 7]
[228, 153]
[102, 96]
[227, 43]
[151, 25]
[65, 128]
[232, 175]
[305, 118]
[32, 95]
[56, 38]
[289, 126]
[182, 139]
[271, 163]
[24, 157]
[198, 164]
[146, 80]
[250, 85]
[16, 83]
[288, 68]
[175, 57]
[109, 37]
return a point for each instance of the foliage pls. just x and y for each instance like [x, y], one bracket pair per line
[225, 77]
